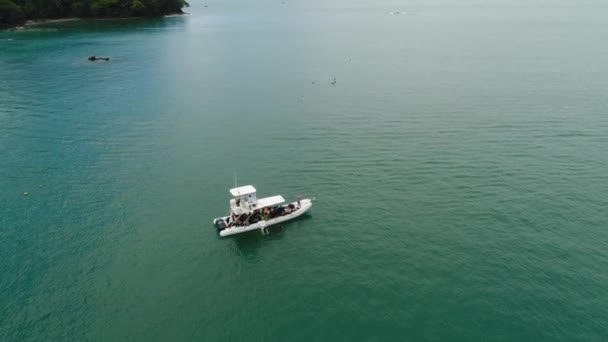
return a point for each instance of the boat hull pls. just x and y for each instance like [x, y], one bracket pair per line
[306, 204]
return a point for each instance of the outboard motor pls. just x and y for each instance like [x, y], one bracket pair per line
[220, 225]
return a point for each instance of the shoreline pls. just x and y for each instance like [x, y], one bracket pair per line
[36, 22]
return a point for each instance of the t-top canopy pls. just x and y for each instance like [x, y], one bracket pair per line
[269, 201]
[243, 190]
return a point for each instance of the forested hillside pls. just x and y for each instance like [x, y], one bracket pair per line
[15, 11]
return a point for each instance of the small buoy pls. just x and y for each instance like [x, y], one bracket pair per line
[25, 194]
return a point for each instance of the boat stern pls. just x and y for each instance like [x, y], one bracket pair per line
[220, 223]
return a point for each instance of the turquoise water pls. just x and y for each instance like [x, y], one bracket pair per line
[459, 165]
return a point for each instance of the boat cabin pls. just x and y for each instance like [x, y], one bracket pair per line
[245, 200]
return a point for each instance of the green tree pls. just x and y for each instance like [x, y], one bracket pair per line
[138, 8]
[30, 10]
[105, 8]
[79, 9]
[10, 13]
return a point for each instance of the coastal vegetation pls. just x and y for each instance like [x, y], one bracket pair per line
[14, 12]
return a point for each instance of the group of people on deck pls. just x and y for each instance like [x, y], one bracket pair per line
[270, 213]
[265, 214]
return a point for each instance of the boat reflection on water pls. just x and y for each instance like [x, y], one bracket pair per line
[247, 245]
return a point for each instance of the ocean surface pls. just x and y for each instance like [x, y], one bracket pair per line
[459, 166]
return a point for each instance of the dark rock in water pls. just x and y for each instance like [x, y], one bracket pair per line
[94, 58]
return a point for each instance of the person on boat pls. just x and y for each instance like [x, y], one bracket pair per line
[257, 217]
[299, 197]
[266, 214]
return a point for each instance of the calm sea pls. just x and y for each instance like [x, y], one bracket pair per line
[459, 165]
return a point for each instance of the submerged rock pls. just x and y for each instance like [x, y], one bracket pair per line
[94, 58]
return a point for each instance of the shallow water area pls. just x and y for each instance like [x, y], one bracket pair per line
[456, 151]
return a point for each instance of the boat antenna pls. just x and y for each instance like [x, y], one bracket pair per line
[235, 178]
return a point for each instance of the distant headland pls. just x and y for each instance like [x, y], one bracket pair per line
[19, 12]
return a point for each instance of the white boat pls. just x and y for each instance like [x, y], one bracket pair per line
[249, 213]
